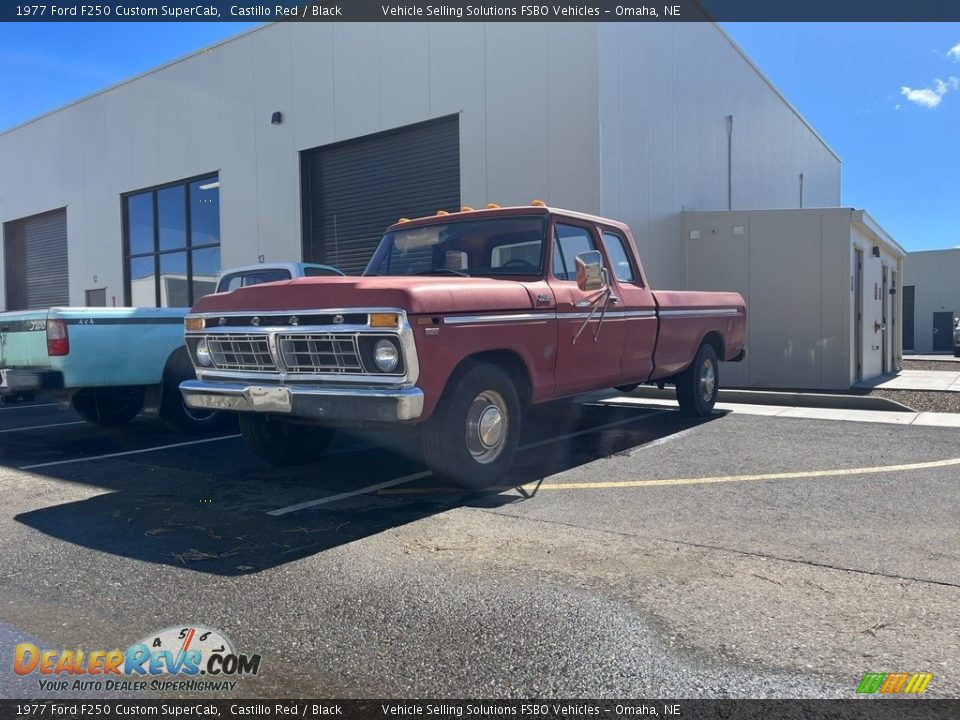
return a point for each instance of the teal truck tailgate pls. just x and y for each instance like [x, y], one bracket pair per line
[23, 339]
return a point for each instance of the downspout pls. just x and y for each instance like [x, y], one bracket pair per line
[729, 162]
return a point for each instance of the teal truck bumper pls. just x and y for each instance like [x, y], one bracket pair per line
[20, 380]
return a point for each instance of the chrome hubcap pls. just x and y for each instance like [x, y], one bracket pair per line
[708, 380]
[487, 426]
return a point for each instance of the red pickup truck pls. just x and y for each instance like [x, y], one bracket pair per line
[459, 321]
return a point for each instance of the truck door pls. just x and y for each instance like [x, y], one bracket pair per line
[637, 306]
[592, 359]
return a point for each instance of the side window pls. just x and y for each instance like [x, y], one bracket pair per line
[619, 257]
[568, 242]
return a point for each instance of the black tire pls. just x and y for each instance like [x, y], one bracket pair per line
[698, 385]
[627, 388]
[108, 407]
[281, 442]
[174, 411]
[479, 396]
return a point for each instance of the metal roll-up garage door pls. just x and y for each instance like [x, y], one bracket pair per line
[355, 189]
[36, 261]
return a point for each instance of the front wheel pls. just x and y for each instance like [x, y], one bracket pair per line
[472, 437]
[281, 442]
[108, 407]
[698, 385]
[174, 411]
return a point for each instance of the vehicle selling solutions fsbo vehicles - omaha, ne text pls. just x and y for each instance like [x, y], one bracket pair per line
[459, 321]
[111, 363]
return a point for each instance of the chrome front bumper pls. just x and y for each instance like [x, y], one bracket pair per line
[340, 403]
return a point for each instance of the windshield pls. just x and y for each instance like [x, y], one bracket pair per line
[495, 246]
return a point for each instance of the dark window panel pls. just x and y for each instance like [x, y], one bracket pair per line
[140, 223]
[172, 218]
[143, 285]
[205, 212]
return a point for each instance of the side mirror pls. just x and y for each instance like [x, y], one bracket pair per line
[590, 271]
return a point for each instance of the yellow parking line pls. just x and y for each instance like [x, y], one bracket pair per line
[610, 484]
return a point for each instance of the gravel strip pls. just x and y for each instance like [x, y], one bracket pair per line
[946, 365]
[922, 400]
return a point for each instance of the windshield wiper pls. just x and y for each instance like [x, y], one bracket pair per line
[440, 271]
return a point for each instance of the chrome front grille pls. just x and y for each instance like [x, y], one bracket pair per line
[241, 352]
[320, 353]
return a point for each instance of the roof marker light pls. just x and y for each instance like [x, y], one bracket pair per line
[403, 220]
[466, 208]
[492, 206]
[538, 203]
[442, 212]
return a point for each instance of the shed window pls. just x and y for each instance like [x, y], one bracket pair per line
[171, 243]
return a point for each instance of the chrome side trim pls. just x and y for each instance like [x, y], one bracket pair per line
[508, 317]
[718, 312]
[542, 316]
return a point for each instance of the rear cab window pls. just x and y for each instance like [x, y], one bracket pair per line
[251, 277]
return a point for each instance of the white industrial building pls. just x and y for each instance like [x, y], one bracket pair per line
[931, 299]
[304, 140]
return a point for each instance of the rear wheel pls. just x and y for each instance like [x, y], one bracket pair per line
[697, 386]
[108, 407]
[281, 442]
[175, 412]
[472, 437]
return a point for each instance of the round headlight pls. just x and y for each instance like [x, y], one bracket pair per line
[386, 356]
[203, 353]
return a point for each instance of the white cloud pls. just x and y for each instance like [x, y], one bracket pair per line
[924, 97]
[930, 97]
[954, 52]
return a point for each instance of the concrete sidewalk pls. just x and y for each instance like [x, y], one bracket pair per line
[927, 419]
[937, 380]
[934, 357]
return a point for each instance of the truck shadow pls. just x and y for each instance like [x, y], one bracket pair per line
[219, 525]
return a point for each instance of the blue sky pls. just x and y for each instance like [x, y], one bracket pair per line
[885, 96]
[871, 91]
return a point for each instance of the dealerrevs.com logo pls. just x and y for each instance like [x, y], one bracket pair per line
[894, 683]
[185, 659]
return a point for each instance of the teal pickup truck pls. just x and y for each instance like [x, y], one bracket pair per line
[110, 364]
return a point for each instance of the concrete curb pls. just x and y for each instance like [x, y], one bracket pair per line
[786, 399]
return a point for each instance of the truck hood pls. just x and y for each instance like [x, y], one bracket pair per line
[416, 295]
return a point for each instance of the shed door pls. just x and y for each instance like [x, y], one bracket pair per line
[36, 261]
[942, 331]
[908, 295]
[353, 190]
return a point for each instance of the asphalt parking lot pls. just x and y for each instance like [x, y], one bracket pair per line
[644, 555]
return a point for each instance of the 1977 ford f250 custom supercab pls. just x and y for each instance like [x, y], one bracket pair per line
[459, 321]
[111, 363]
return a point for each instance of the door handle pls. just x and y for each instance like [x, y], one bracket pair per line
[614, 300]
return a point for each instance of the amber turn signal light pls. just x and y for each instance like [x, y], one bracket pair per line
[193, 323]
[384, 320]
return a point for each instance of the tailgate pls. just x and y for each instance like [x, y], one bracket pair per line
[23, 339]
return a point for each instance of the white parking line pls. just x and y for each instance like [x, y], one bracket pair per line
[26, 407]
[126, 452]
[41, 427]
[352, 493]
[427, 473]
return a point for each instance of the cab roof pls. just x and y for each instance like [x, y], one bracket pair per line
[537, 208]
